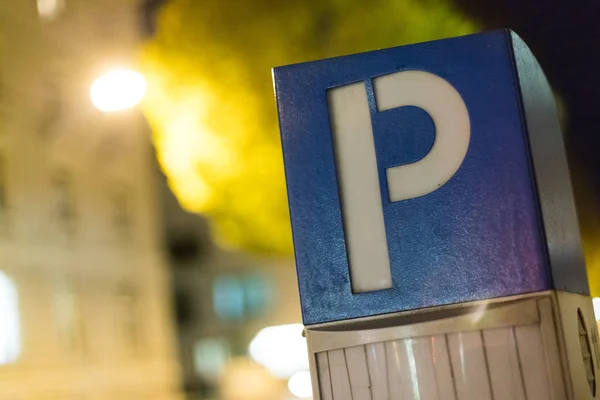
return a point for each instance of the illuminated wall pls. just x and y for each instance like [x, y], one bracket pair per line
[84, 299]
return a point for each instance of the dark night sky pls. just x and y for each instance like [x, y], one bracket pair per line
[565, 37]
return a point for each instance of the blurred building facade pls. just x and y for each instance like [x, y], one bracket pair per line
[223, 299]
[84, 288]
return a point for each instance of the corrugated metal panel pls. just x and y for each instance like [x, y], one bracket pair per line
[504, 363]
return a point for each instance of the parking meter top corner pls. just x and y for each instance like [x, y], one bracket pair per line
[426, 175]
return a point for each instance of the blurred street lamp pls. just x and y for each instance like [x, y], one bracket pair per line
[118, 90]
[281, 349]
[300, 385]
[10, 330]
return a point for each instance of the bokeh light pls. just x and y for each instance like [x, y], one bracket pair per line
[300, 385]
[281, 349]
[118, 90]
[10, 330]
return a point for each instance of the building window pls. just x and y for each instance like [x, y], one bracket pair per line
[236, 297]
[184, 249]
[50, 9]
[185, 313]
[257, 294]
[52, 107]
[3, 200]
[210, 357]
[228, 298]
[4, 206]
[10, 331]
[129, 322]
[4, 112]
[122, 219]
[64, 202]
[69, 318]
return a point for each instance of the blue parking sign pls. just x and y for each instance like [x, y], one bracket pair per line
[426, 175]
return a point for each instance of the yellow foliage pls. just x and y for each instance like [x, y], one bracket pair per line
[210, 98]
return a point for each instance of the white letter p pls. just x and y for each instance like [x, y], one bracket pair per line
[356, 162]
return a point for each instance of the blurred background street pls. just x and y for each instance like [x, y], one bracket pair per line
[144, 234]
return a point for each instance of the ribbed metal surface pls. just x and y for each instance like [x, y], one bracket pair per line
[492, 364]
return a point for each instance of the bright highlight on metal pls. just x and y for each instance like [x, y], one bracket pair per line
[596, 302]
[118, 90]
